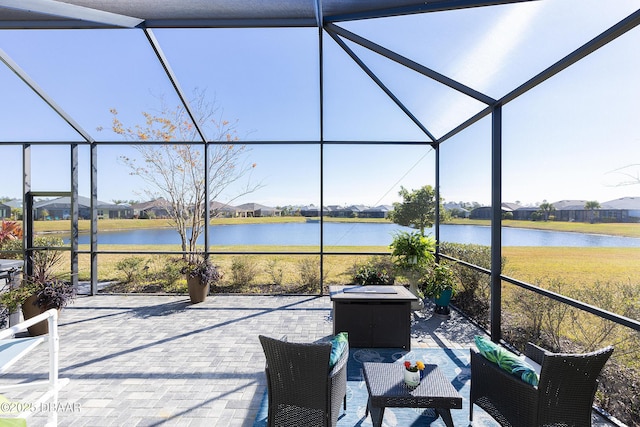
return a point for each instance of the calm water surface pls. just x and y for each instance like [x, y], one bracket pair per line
[358, 234]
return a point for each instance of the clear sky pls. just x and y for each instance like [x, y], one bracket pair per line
[566, 139]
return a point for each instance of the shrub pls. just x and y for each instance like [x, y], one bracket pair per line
[132, 267]
[309, 269]
[378, 270]
[242, 271]
[275, 271]
[475, 286]
[11, 249]
[172, 271]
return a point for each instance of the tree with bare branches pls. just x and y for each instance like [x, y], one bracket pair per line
[175, 170]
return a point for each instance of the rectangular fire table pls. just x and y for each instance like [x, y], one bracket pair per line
[374, 316]
[385, 383]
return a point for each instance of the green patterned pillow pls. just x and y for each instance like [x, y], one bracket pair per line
[338, 344]
[506, 360]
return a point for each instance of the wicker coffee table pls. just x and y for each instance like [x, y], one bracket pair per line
[385, 383]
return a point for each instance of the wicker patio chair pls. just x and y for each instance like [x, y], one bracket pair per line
[563, 397]
[302, 389]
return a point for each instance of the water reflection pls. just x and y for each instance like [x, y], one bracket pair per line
[358, 234]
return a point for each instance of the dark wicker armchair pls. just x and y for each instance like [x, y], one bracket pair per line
[302, 390]
[564, 395]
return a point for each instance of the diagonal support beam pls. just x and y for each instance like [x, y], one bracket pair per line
[332, 28]
[13, 66]
[591, 46]
[174, 81]
[72, 11]
[382, 86]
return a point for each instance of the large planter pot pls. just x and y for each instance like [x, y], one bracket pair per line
[30, 310]
[197, 291]
[442, 302]
[444, 299]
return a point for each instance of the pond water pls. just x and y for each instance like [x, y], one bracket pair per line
[357, 234]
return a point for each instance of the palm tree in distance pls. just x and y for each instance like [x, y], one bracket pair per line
[546, 209]
[591, 206]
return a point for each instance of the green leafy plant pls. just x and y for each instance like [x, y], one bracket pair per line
[412, 251]
[441, 278]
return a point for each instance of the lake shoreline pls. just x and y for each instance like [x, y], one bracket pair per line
[605, 229]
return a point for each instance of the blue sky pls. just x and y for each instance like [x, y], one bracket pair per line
[562, 140]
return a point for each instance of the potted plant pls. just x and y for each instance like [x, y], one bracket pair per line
[35, 295]
[44, 288]
[412, 253]
[43, 295]
[200, 275]
[440, 284]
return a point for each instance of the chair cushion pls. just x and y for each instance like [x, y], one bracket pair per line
[506, 360]
[338, 344]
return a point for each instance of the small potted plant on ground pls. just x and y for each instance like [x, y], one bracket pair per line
[201, 273]
[440, 284]
[412, 254]
[42, 296]
[43, 289]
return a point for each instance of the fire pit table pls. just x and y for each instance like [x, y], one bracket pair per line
[374, 316]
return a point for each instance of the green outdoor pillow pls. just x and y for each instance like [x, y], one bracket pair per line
[338, 344]
[506, 360]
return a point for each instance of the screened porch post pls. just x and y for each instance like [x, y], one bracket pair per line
[437, 197]
[496, 222]
[321, 119]
[27, 209]
[74, 215]
[93, 179]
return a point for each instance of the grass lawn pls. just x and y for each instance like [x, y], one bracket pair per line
[529, 264]
[573, 265]
[612, 229]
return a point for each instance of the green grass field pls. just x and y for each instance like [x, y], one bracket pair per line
[530, 264]
[575, 265]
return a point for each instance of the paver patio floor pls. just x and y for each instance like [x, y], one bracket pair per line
[155, 360]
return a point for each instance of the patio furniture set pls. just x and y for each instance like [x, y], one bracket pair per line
[304, 388]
